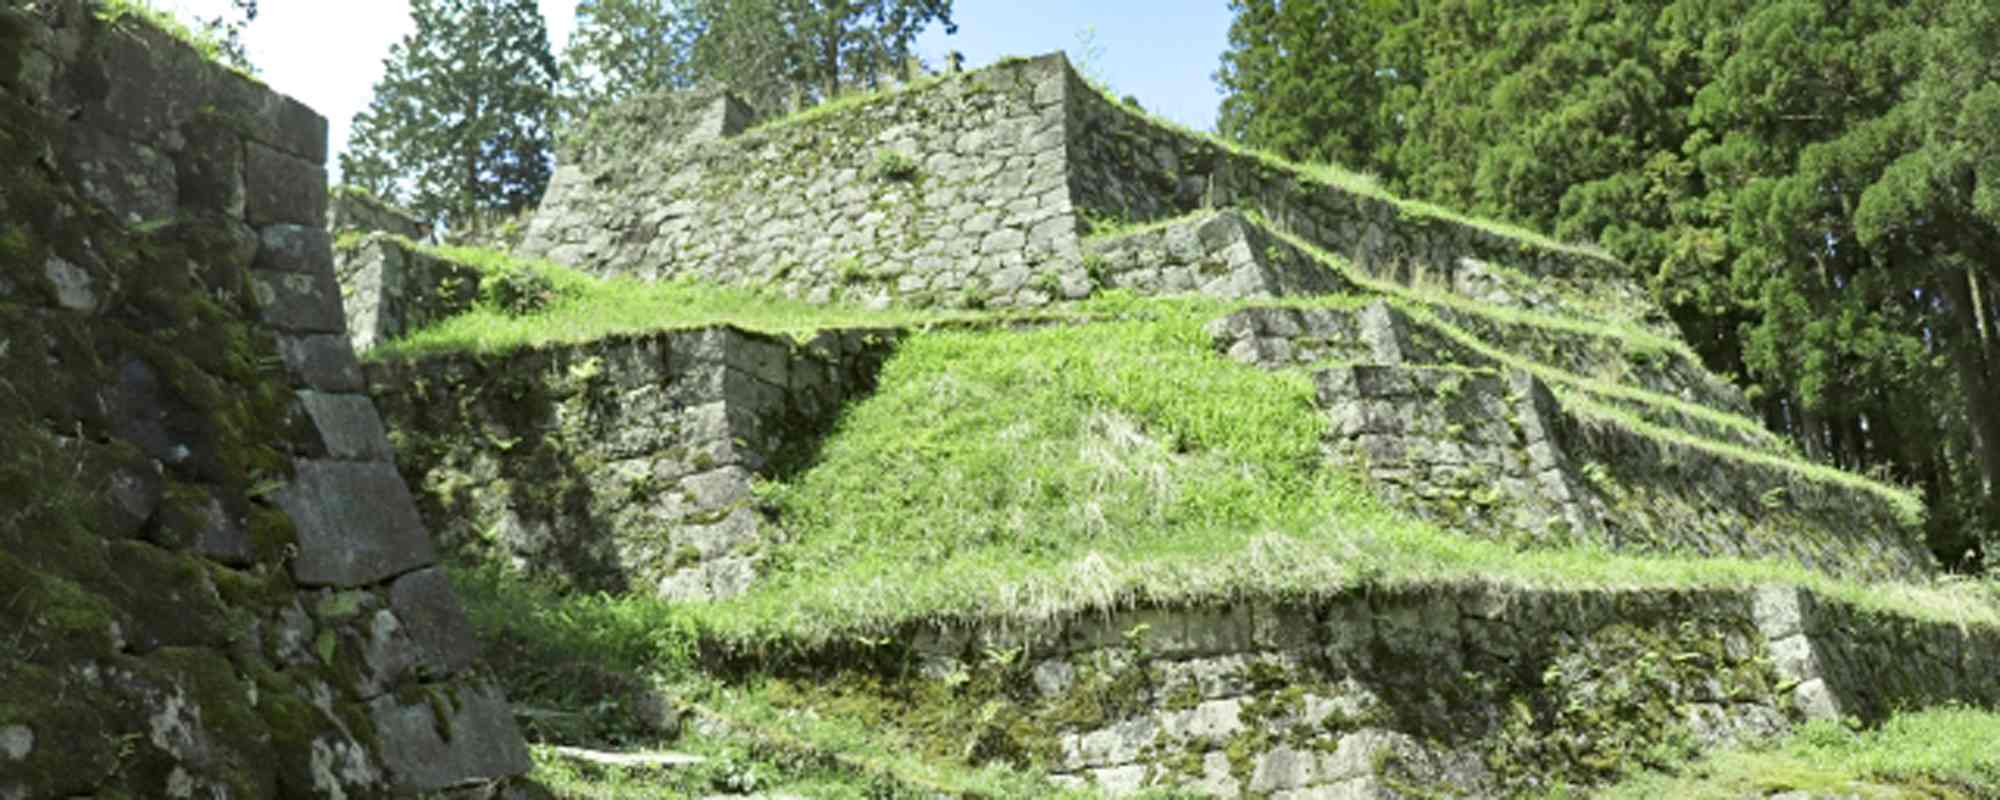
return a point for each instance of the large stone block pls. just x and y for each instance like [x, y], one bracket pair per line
[323, 361]
[296, 302]
[436, 625]
[295, 248]
[483, 742]
[356, 522]
[347, 425]
[282, 189]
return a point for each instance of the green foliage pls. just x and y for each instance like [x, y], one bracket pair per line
[894, 165]
[460, 122]
[622, 47]
[527, 303]
[776, 54]
[220, 38]
[1810, 186]
[1942, 752]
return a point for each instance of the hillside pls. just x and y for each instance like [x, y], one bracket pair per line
[987, 437]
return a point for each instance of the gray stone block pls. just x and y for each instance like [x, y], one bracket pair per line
[294, 248]
[282, 189]
[484, 743]
[298, 302]
[325, 362]
[356, 522]
[348, 426]
[434, 621]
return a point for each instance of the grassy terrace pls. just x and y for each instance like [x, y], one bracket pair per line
[1023, 474]
[1067, 468]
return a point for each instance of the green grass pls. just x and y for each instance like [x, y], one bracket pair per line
[576, 307]
[1366, 185]
[847, 100]
[1939, 753]
[201, 39]
[1025, 476]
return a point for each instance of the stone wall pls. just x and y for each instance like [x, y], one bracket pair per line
[1469, 443]
[1126, 167]
[216, 583]
[353, 210]
[391, 288]
[1461, 690]
[623, 464]
[1219, 255]
[952, 194]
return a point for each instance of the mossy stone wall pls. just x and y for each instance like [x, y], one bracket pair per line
[623, 464]
[212, 581]
[1455, 690]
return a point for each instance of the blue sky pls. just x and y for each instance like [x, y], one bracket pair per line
[329, 54]
[1162, 52]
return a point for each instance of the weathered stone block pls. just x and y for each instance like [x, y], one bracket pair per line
[296, 302]
[282, 189]
[325, 362]
[356, 523]
[437, 627]
[347, 425]
[484, 744]
[294, 248]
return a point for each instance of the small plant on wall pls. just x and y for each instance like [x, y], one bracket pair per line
[894, 165]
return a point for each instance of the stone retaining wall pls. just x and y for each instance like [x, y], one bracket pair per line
[390, 288]
[1464, 689]
[951, 194]
[217, 584]
[1219, 255]
[624, 464]
[1126, 167]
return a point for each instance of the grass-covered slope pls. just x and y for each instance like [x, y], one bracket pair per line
[1103, 454]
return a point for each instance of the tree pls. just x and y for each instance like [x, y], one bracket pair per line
[771, 52]
[227, 32]
[624, 47]
[1813, 187]
[460, 122]
[1334, 107]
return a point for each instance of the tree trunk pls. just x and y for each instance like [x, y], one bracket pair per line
[1976, 373]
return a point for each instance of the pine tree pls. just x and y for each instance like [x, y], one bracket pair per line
[770, 52]
[625, 47]
[460, 123]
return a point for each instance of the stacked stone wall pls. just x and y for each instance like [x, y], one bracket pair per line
[391, 288]
[215, 582]
[1128, 168]
[1460, 689]
[624, 464]
[951, 194]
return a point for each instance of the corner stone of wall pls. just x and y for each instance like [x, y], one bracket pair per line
[290, 627]
[622, 464]
[391, 288]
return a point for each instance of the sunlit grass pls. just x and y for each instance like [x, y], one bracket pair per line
[1938, 753]
[578, 307]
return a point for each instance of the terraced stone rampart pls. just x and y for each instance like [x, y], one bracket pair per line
[623, 464]
[213, 583]
[1468, 690]
[1485, 448]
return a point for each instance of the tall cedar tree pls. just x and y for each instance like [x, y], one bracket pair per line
[1813, 188]
[773, 53]
[624, 47]
[460, 123]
